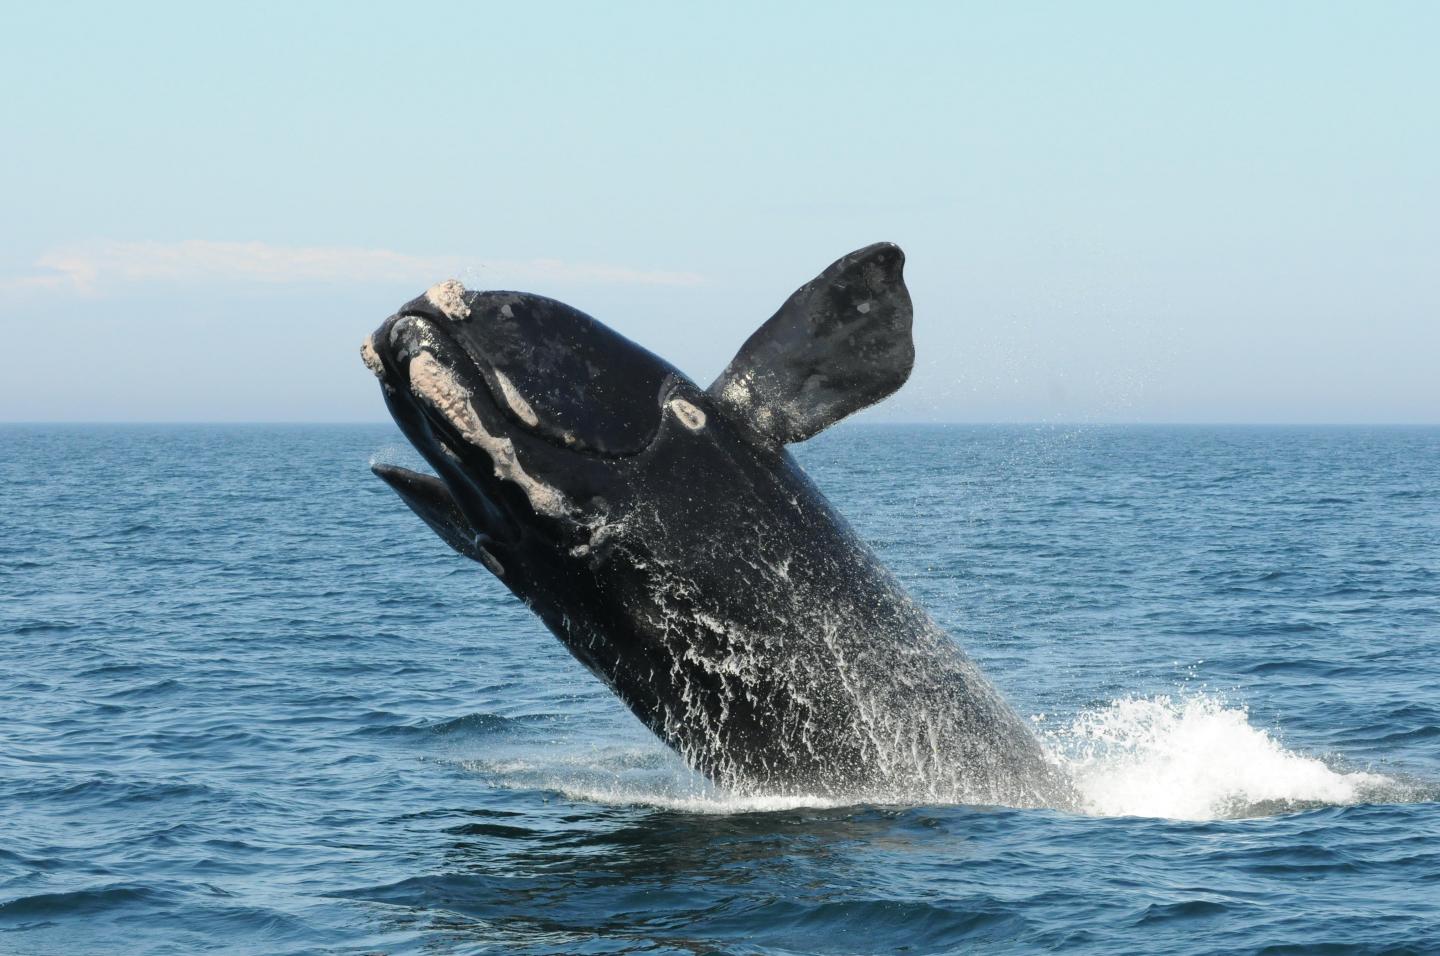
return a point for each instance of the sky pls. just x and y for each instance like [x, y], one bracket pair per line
[1112, 212]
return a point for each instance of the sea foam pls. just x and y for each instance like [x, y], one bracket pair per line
[1183, 757]
[1197, 758]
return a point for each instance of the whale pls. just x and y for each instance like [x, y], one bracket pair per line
[664, 533]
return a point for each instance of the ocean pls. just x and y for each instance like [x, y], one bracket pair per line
[252, 705]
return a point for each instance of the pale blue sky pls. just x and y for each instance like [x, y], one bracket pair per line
[1113, 212]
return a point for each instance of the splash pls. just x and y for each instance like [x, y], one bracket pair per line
[1194, 757]
[1197, 758]
[395, 453]
[647, 775]
[698, 801]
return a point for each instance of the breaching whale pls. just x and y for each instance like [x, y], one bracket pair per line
[664, 534]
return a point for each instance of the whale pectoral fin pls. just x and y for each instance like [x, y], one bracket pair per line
[840, 343]
[428, 497]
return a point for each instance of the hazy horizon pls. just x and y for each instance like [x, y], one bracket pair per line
[1122, 213]
[858, 421]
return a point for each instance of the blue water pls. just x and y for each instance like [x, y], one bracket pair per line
[252, 705]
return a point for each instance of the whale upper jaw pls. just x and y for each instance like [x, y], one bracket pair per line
[526, 403]
[444, 404]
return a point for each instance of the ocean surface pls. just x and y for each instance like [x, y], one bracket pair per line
[252, 705]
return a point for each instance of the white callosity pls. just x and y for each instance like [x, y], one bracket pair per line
[690, 416]
[371, 358]
[449, 298]
[437, 385]
[515, 400]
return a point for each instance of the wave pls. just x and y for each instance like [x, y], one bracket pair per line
[476, 724]
[87, 900]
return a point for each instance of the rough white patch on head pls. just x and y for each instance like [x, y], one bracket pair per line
[449, 297]
[436, 384]
[863, 308]
[516, 401]
[371, 358]
[420, 330]
[506, 311]
[690, 416]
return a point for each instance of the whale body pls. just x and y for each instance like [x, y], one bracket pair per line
[666, 536]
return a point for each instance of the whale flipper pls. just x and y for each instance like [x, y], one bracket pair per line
[428, 497]
[840, 343]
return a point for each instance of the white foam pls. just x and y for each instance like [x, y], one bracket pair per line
[738, 392]
[643, 776]
[1182, 758]
[1194, 758]
[712, 803]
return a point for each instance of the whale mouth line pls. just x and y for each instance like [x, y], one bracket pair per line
[444, 382]
[411, 340]
[489, 508]
[408, 338]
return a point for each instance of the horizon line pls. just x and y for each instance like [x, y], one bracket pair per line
[864, 423]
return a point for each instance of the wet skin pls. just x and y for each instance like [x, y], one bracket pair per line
[664, 534]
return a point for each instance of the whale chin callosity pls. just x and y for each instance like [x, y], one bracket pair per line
[666, 536]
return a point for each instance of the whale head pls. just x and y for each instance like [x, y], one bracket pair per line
[527, 409]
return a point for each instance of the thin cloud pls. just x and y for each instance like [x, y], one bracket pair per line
[98, 266]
